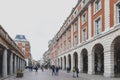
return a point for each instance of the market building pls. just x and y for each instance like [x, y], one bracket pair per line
[11, 57]
[89, 39]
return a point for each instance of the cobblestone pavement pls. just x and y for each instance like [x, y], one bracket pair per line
[46, 75]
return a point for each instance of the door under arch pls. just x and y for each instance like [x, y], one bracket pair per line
[85, 60]
[117, 56]
[99, 59]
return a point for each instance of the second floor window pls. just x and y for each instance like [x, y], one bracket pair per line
[75, 40]
[69, 32]
[84, 1]
[84, 35]
[98, 26]
[118, 13]
[97, 5]
[84, 18]
[69, 43]
[75, 27]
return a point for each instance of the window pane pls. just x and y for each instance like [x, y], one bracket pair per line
[84, 18]
[118, 13]
[97, 5]
[97, 26]
[84, 34]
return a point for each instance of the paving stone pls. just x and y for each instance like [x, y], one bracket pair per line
[63, 75]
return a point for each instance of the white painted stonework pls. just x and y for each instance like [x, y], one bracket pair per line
[106, 40]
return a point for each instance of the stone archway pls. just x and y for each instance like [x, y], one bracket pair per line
[75, 59]
[115, 48]
[69, 61]
[64, 62]
[58, 62]
[98, 51]
[84, 59]
[61, 63]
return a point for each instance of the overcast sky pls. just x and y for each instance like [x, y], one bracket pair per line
[38, 20]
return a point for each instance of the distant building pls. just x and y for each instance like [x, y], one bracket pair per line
[24, 45]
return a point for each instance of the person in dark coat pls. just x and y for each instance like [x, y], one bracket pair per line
[53, 70]
[36, 68]
[57, 70]
[77, 72]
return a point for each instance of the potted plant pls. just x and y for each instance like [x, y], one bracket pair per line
[19, 73]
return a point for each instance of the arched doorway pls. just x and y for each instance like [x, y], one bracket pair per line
[98, 59]
[69, 61]
[75, 59]
[64, 62]
[61, 63]
[85, 60]
[116, 52]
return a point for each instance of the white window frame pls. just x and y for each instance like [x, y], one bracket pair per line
[84, 38]
[100, 6]
[64, 46]
[69, 43]
[83, 1]
[75, 40]
[84, 18]
[75, 27]
[117, 16]
[69, 32]
[95, 30]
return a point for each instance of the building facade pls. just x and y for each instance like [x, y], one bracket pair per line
[11, 57]
[25, 47]
[89, 39]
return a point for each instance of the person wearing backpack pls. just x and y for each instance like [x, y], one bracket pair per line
[74, 72]
[77, 72]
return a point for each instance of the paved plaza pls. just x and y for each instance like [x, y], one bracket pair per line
[63, 75]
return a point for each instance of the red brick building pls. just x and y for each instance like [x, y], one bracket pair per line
[89, 38]
[24, 45]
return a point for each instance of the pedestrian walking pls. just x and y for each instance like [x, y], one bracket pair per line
[42, 69]
[53, 70]
[57, 70]
[77, 72]
[74, 72]
[36, 68]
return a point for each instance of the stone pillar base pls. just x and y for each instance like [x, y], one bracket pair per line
[109, 75]
[91, 72]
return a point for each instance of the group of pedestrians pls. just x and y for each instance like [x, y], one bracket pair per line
[55, 70]
[32, 67]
